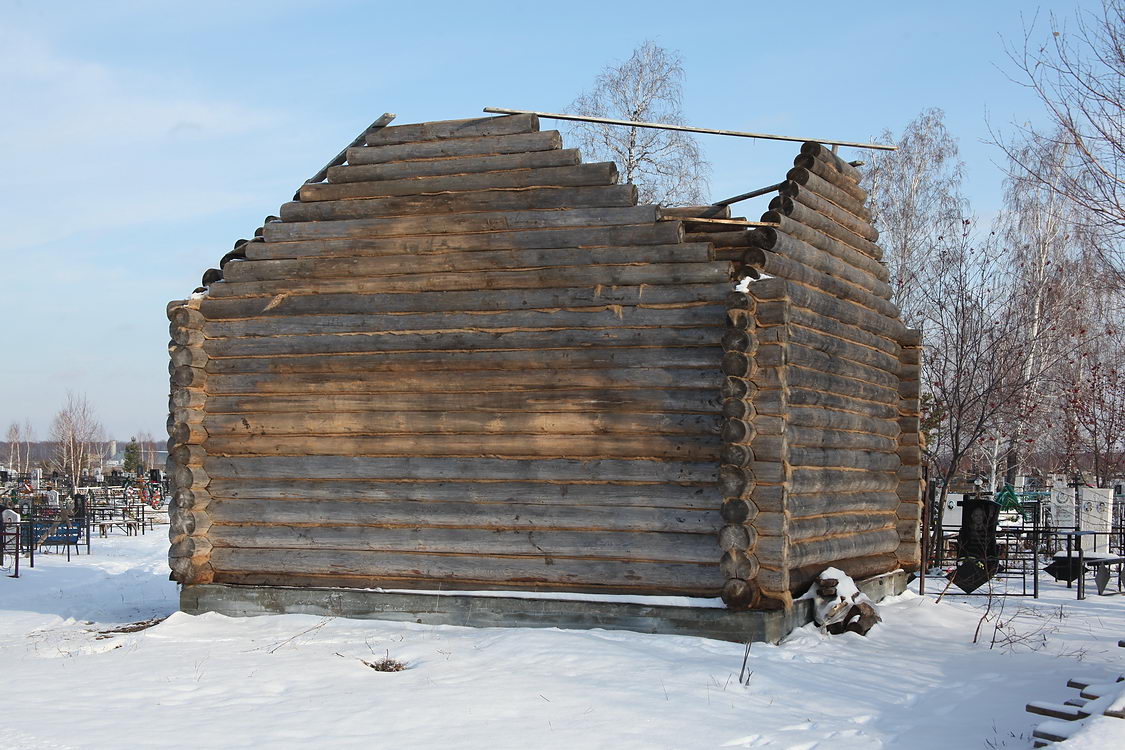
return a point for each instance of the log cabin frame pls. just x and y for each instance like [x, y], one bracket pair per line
[469, 361]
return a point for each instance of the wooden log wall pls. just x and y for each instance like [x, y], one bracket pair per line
[467, 361]
[836, 448]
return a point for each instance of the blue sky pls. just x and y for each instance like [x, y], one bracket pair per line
[141, 139]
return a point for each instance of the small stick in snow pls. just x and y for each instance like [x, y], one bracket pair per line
[742, 671]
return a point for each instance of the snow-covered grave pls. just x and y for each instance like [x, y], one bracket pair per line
[75, 676]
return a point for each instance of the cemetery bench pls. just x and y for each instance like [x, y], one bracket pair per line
[1064, 719]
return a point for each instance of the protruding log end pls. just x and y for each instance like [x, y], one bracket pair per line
[737, 408]
[738, 388]
[210, 276]
[739, 594]
[737, 364]
[737, 455]
[737, 431]
[738, 511]
[734, 537]
[735, 340]
[736, 481]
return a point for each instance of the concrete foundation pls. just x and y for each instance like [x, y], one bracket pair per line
[515, 612]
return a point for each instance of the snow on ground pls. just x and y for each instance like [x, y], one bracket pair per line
[296, 681]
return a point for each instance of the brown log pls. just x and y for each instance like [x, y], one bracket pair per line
[819, 230]
[808, 180]
[794, 249]
[460, 423]
[542, 543]
[817, 203]
[425, 244]
[441, 129]
[775, 265]
[827, 155]
[498, 144]
[828, 172]
[525, 199]
[739, 341]
[739, 594]
[349, 467]
[596, 276]
[412, 570]
[738, 364]
[389, 265]
[357, 180]
[697, 357]
[604, 173]
[342, 383]
[497, 221]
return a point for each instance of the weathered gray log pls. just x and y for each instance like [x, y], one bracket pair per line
[734, 340]
[348, 467]
[700, 357]
[736, 481]
[189, 377]
[776, 265]
[738, 563]
[830, 549]
[828, 172]
[817, 420]
[469, 201]
[807, 480]
[465, 301]
[541, 542]
[188, 454]
[827, 155]
[737, 431]
[443, 340]
[186, 398]
[721, 241]
[841, 502]
[498, 144]
[833, 327]
[736, 454]
[187, 356]
[802, 455]
[188, 522]
[700, 401]
[174, 305]
[804, 356]
[342, 383]
[736, 537]
[460, 423]
[440, 129]
[737, 408]
[497, 221]
[820, 231]
[825, 189]
[417, 497]
[738, 510]
[603, 173]
[812, 200]
[651, 274]
[648, 447]
[353, 181]
[189, 477]
[697, 212]
[818, 301]
[825, 243]
[322, 268]
[739, 365]
[790, 247]
[184, 336]
[186, 317]
[842, 348]
[840, 440]
[661, 233]
[738, 388]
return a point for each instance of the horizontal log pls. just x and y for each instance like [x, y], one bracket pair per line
[596, 276]
[776, 265]
[358, 181]
[841, 348]
[806, 318]
[186, 454]
[736, 537]
[186, 398]
[439, 129]
[827, 550]
[821, 231]
[649, 447]
[188, 522]
[815, 300]
[173, 306]
[697, 212]
[817, 421]
[187, 498]
[661, 233]
[738, 564]
[189, 377]
[460, 423]
[818, 503]
[488, 260]
[498, 221]
[348, 467]
[186, 317]
[483, 404]
[418, 496]
[834, 523]
[802, 252]
[452, 380]
[810, 181]
[739, 594]
[187, 356]
[190, 546]
[739, 510]
[830, 157]
[697, 357]
[188, 477]
[737, 455]
[883, 384]
[461, 571]
[856, 567]
[807, 480]
[565, 338]
[528, 542]
[469, 201]
[184, 336]
[184, 433]
[819, 437]
[803, 455]
[497, 144]
[825, 207]
[828, 172]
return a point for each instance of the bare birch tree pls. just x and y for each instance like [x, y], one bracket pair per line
[77, 435]
[915, 201]
[14, 436]
[666, 166]
[1079, 76]
[28, 439]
